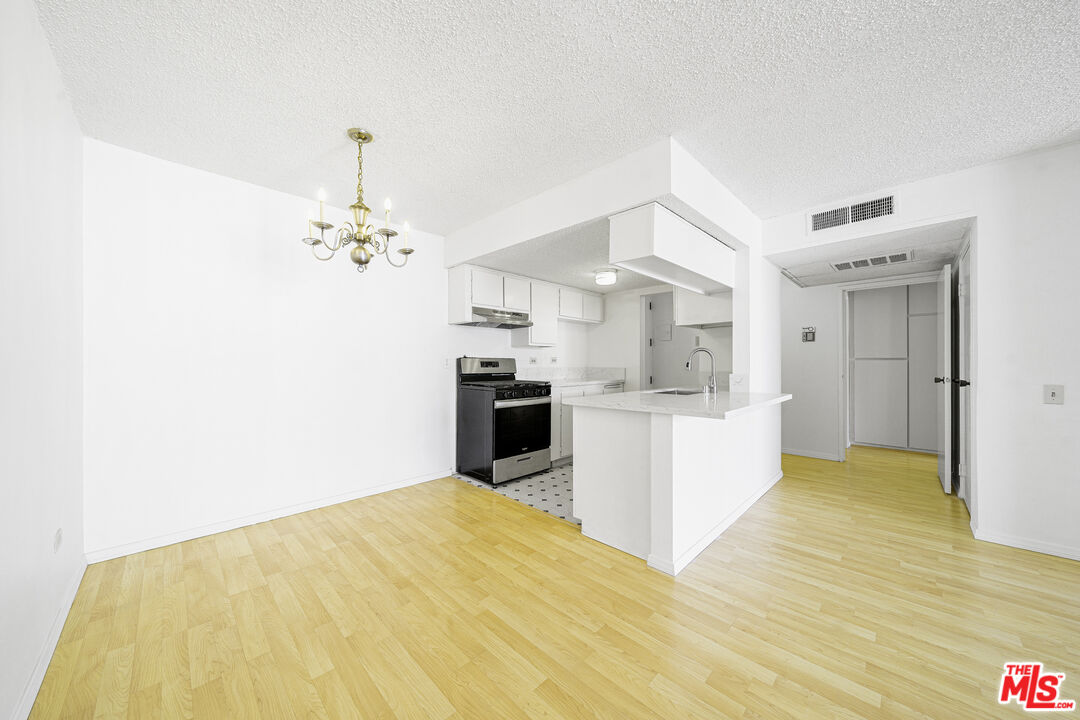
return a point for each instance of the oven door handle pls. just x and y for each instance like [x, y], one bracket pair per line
[499, 404]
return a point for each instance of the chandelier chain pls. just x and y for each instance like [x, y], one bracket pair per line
[360, 172]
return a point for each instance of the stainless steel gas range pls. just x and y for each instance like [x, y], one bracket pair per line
[503, 424]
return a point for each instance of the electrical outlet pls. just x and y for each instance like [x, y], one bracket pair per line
[532, 360]
[554, 360]
[1053, 394]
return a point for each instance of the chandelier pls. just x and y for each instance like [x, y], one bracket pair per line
[367, 240]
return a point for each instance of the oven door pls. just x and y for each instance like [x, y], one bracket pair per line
[521, 426]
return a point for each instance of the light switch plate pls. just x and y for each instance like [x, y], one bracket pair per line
[1053, 394]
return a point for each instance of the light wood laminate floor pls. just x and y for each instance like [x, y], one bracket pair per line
[849, 590]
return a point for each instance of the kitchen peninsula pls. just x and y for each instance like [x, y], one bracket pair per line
[662, 475]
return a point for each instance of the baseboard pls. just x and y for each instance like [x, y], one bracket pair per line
[896, 447]
[33, 685]
[812, 454]
[674, 568]
[1070, 553]
[110, 553]
[661, 564]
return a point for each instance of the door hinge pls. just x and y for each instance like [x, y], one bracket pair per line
[650, 306]
[650, 342]
[650, 379]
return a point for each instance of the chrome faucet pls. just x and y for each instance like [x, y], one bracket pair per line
[711, 387]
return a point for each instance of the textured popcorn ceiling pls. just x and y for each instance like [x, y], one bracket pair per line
[479, 103]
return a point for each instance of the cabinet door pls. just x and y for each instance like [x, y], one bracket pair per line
[566, 430]
[593, 307]
[516, 294]
[570, 303]
[544, 314]
[556, 424]
[694, 309]
[487, 288]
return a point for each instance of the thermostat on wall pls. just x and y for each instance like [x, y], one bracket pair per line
[809, 334]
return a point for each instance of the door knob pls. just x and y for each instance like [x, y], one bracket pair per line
[962, 383]
[941, 379]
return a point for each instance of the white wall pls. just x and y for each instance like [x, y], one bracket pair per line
[570, 350]
[1025, 334]
[617, 341]
[229, 375]
[41, 441]
[811, 371]
[669, 355]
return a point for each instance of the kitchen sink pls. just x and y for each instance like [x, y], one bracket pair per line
[680, 391]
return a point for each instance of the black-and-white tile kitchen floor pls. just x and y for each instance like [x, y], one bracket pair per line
[551, 491]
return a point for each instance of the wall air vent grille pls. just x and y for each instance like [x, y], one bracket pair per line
[874, 261]
[859, 212]
[830, 218]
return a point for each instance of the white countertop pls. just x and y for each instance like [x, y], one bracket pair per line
[720, 405]
[574, 383]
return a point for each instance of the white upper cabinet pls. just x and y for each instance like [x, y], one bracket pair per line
[487, 288]
[571, 304]
[592, 307]
[516, 294]
[693, 309]
[544, 316]
[545, 303]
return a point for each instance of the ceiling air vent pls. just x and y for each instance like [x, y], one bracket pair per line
[874, 261]
[859, 212]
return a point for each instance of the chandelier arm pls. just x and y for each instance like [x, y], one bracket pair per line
[315, 252]
[392, 263]
[369, 233]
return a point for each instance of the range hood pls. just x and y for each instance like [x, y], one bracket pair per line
[487, 317]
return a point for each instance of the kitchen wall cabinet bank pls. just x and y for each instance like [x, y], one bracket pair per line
[546, 304]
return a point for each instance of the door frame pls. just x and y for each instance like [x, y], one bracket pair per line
[844, 341]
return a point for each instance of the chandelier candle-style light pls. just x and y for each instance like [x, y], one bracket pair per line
[364, 238]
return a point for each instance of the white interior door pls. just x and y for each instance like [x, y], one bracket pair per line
[943, 379]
